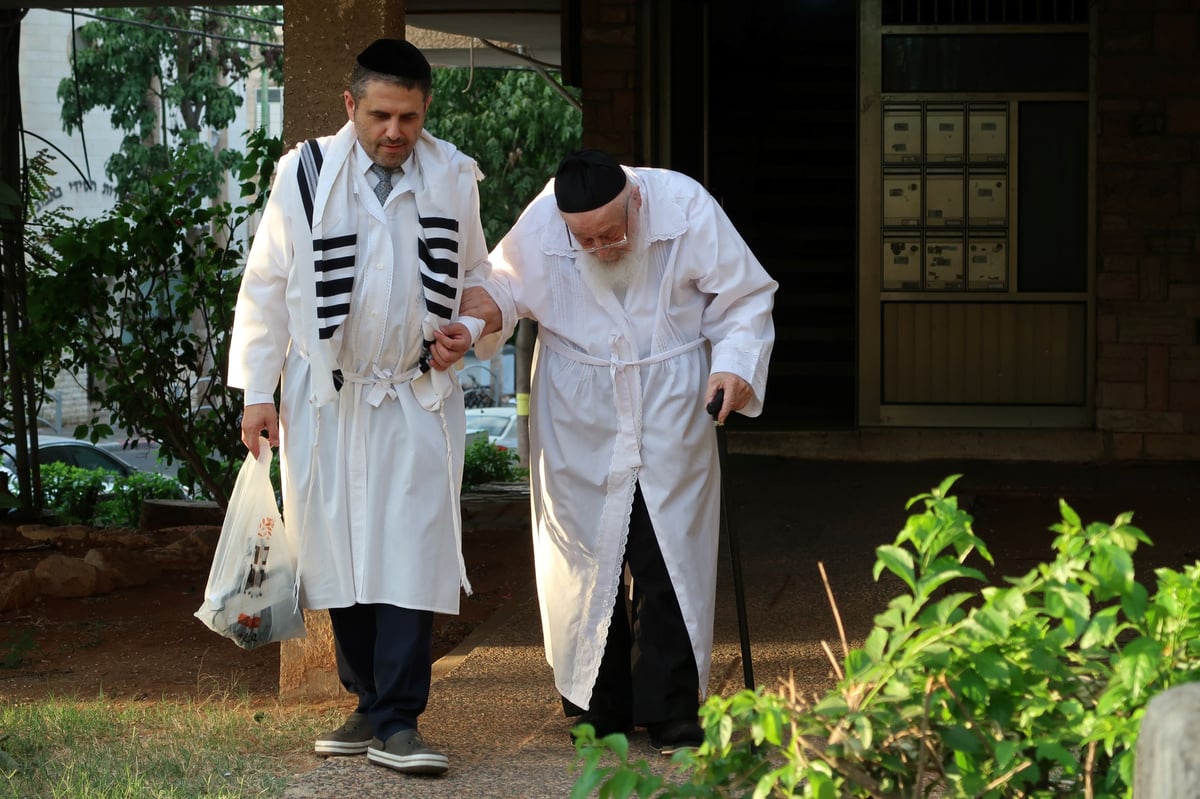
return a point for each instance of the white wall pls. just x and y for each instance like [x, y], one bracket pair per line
[45, 60]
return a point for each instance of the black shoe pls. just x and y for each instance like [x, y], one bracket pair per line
[669, 737]
[603, 725]
[407, 753]
[352, 738]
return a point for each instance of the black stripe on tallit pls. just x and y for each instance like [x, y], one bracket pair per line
[332, 264]
[442, 244]
[332, 288]
[349, 240]
[307, 192]
[438, 288]
[439, 221]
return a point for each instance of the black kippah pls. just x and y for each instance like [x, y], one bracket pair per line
[586, 180]
[395, 57]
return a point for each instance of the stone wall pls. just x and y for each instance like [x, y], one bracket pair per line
[1148, 197]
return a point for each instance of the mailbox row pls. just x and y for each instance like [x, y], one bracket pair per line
[946, 262]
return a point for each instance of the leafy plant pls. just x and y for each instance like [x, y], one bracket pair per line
[514, 124]
[165, 74]
[122, 507]
[486, 463]
[71, 493]
[1032, 687]
[101, 498]
[142, 301]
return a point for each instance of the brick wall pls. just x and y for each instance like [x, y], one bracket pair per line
[609, 56]
[1148, 192]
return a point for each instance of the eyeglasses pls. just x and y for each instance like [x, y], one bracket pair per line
[621, 242]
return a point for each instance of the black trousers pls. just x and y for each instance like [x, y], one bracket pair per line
[648, 672]
[385, 657]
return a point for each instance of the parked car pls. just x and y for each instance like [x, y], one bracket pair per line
[63, 449]
[500, 423]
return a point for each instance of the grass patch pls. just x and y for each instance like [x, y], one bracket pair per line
[172, 749]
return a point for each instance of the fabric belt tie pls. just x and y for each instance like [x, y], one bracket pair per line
[382, 383]
[615, 365]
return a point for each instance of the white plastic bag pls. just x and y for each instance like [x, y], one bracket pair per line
[251, 596]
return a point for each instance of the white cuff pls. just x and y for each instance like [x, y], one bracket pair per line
[473, 324]
[257, 398]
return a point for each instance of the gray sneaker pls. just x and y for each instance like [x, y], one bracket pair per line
[352, 738]
[407, 753]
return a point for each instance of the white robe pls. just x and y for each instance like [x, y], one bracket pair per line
[617, 398]
[370, 477]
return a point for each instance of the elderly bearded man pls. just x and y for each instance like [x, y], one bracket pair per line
[350, 293]
[647, 302]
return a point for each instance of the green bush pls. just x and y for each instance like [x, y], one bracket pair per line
[123, 505]
[1032, 687]
[102, 498]
[487, 463]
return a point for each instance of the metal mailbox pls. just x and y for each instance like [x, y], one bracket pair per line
[943, 262]
[902, 134]
[901, 262]
[944, 197]
[987, 133]
[987, 197]
[987, 261]
[945, 139]
[901, 197]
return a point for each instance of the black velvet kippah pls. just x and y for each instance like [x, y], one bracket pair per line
[586, 180]
[395, 57]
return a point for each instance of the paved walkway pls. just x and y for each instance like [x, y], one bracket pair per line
[494, 709]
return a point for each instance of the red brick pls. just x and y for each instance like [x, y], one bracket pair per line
[1156, 330]
[1183, 268]
[1113, 106]
[1178, 446]
[1119, 263]
[1183, 115]
[1118, 40]
[1176, 31]
[1121, 242]
[1114, 222]
[1139, 421]
[1128, 352]
[1117, 285]
[1158, 385]
[1185, 396]
[1152, 279]
[1126, 396]
[1107, 328]
[1146, 149]
[1127, 446]
[1171, 242]
[1120, 370]
[1185, 364]
[1189, 190]
[1110, 7]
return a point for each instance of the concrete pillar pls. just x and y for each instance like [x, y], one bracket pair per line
[321, 41]
[1167, 760]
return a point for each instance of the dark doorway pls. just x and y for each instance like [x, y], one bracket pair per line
[782, 114]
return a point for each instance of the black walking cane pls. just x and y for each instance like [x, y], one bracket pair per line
[735, 556]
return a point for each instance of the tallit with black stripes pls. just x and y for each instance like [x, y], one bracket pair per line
[334, 261]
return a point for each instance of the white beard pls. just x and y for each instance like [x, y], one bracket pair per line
[616, 276]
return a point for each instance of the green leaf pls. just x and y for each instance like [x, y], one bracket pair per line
[898, 561]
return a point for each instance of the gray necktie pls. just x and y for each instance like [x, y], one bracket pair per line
[384, 187]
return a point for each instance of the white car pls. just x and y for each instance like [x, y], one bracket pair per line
[499, 422]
